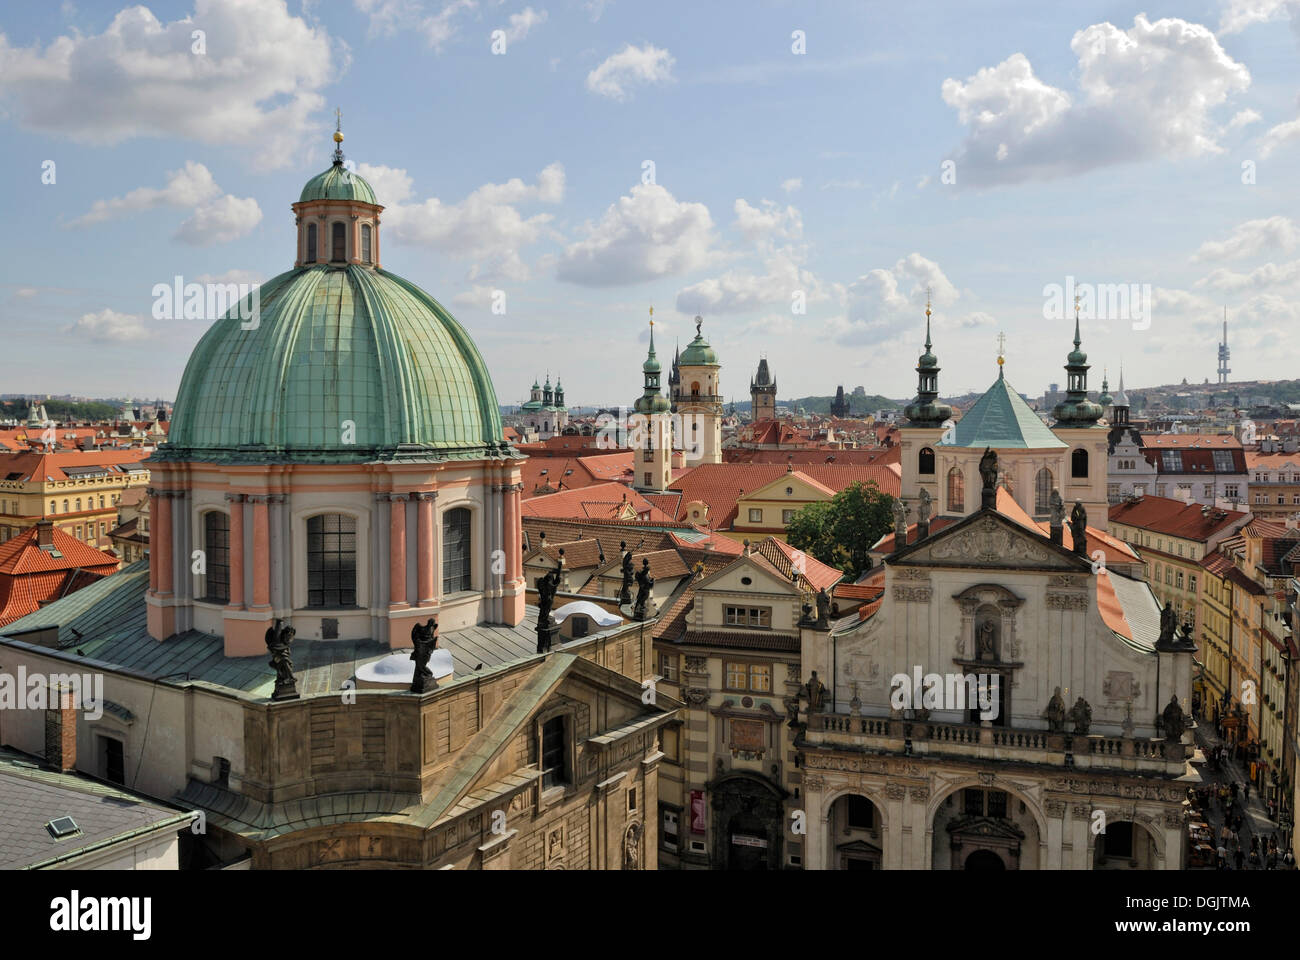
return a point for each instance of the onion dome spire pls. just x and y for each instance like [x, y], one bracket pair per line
[1077, 410]
[925, 410]
[651, 400]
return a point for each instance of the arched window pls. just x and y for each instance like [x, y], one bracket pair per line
[456, 553]
[54, 506]
[216, 548]
[338, 242]
[311, 243]
[78, 504]
[1079, 464]
[925, 462]
[695, 389]
[331, 561]
[1043, 491]
[956, 489]
[365, 243]
[65, 506]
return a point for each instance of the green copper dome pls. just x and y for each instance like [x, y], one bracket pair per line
[338, 183]
[698, 353]
[346, 364]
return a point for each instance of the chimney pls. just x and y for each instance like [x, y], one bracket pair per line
[45, 533]
[61, 730]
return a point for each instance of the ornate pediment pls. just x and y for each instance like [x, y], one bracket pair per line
[988, 540]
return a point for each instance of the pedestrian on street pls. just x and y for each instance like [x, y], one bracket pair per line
[1246, 788]
[1239, 856]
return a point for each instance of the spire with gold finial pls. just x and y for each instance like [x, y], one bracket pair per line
[924, 410]
[1002, 352]
[338, 136]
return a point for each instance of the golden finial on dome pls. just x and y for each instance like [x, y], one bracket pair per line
[927, 302]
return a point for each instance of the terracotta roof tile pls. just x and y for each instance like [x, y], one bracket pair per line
[720, 485]
[1174, 517]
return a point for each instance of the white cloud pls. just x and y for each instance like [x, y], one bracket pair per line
[1269, 275]
[976, 319]
[389, 17]
[476, 296]
[486, 227]
[1143, 93]
[521, 23]
[1240, 14]
[792, 185]
[1278, 135]
[232, 276]
[1251, 238]
[757, 225]
[107, 326]
[644, 236]
[256, 86]
[881, 299]
[1244, 118]
[226, 218]
[216, 217]
[631, 66]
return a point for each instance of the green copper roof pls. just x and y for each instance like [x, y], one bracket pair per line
[698, 353]
[338, 183]
[336, 344]
[1002, 420]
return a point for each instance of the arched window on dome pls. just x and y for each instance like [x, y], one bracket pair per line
[456, 551]
[1043, 491]
[1079, 464]
[311, 243]
[338, 242]
[956, 489]
[331, 561]
[216, 549]
[365, 243]
[925, 461]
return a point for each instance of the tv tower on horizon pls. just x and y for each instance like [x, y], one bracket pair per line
[1224, 353]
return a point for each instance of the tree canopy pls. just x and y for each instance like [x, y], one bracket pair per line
[840, 531]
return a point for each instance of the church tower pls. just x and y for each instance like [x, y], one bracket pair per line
[699, 400]
[926, 418]
[1078, 424]
[762, 393]
[653, 467]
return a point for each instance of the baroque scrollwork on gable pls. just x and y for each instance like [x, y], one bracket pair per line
[988, 541]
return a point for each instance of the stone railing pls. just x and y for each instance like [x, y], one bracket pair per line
[921, 737]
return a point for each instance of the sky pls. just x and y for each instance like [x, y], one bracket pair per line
[798, 174]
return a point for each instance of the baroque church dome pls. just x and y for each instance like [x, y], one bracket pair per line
[345, 363]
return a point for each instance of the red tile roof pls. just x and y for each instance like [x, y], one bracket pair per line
[40, 467]
[22, 554]
[1174, 518]
[602, 501]
[815, 574]
[720, 485]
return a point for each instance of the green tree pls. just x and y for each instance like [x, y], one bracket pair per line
[839, 532]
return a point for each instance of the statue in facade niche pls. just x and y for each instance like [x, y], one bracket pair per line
[1174, 721]
[815, 691]
[923, 508]
[987, 640]
[1081, 716]
[424, 640]
[1055, 713]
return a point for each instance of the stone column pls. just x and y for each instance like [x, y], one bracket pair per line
[1055, 810]
[918, 801]
[236, 501]
[424, 544]
[397, 551]
[261, 553]
[154, 511]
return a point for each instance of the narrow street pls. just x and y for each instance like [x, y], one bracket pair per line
[1255, 822]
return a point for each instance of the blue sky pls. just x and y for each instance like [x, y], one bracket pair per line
[1103, 142]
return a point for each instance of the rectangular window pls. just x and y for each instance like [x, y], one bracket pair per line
[216, 544]
[331, 561]
[1230, 491]
[668, 834]
[1171, 461]
[1223, 461]
[1179, 580]
[456, 550]
[760, 677]
[554, 770]
[997, 803]
[755, 515]
[737, 676]
[1191, 583]
[648, 482]
[787, 516]
[748, 616]
[631, 800]
[668, 666]
[112, 760]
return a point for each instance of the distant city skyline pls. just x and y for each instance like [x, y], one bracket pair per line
[839, 158]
